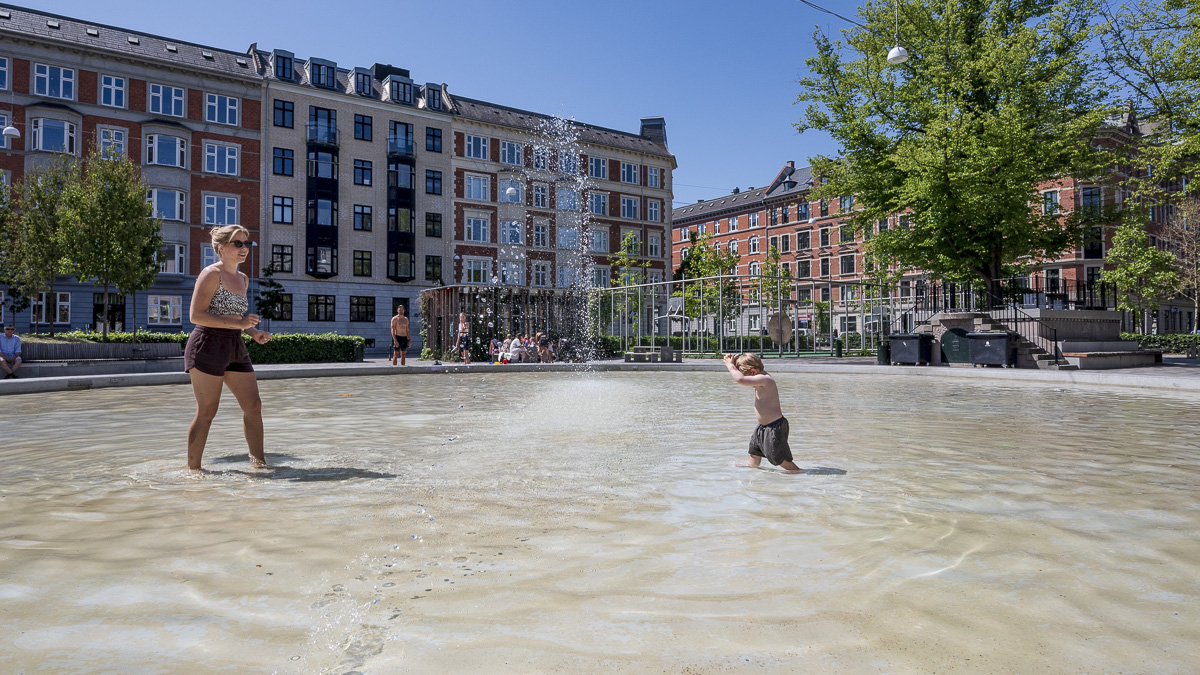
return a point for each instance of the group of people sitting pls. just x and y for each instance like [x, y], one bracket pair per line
[521, 348]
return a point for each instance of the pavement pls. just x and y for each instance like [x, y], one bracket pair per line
[1176, 373]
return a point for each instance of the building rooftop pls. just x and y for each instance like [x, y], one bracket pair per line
[788, 182]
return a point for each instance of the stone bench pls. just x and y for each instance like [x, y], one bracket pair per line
[651, 354]
[99, 351]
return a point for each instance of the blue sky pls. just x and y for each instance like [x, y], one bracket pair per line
[722, 74]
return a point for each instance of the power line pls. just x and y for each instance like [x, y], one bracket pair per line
[829, 11]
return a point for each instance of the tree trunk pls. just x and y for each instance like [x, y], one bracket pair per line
[51, 302]
[135, 317]
[104, 338]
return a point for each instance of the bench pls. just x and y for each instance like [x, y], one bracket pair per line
[647, 353]
[98, 351]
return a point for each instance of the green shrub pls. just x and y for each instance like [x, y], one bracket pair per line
[1174, 343]
[283, 347]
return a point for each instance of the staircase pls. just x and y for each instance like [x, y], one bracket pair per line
[1028, 352]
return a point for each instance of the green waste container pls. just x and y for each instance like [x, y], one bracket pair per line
[883, 357]
[837, 348]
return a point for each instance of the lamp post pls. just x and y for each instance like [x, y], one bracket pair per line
[252, 276]
[11, 132]
[898, 54]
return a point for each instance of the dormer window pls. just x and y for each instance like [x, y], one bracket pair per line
[400, 91]
[433, 97]
[322, 74]
[363, 83]
[283, 65]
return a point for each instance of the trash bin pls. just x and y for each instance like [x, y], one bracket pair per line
[837, 348]
[992, 349]
[914, 348]
[883, 357]
[956, 346]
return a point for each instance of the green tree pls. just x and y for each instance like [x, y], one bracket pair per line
[1142, 274]
[998, 97]
[270, 298]
[631, 271]
[39, 248]
[14, 300]
[715, 293]
[1182, 234]
[776, 280]
[113, 234]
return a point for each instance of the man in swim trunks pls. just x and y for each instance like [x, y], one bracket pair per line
[770, 437]
[400, 334]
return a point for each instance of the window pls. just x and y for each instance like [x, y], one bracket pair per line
[322, 212]
[164, 310]
[322, 76]
[283, 67]
[783, 213]
[165, 150]
[172, 259]
[598, 168]
[53, 81]
[568, 199]
[322, 260]
[517, 195]
[476, 229]
[433, 139]
[362, 126]
[541, 197]
[222, 159]
[541, 235]
[166, 100]
[824, 237]
[601, 276]
[362, 264]
[598, 202]
[400, 175]
[433, 99]
[433, 268]
[112, 141]
[433, 224]
[803, 269]
[362, 218]
[511, 232]
[568, 237]
[567, 276]
[652, 177]
[362, 308]
[402, 92]
[208, 256]
[510, 153]
[773, 243]
[284, 162]
[772, 218]
[281, 210]
[847, 264]
[400, 219]
[629, 173]
[285, 114]
[221, 109]
[1092, 202]
[168, 204]
[568, 164]
[400, 265]
[902, 222]
[755, 269]
[655, 244]
[363, 85]
[845, 234]
[53, 136]
[732, 223]
[802, 211]
[112, 91]
[845, 204]
[1050, 202]
[3, 81]
[824, 267]
[362, 172]
[752, 245]
[320, 308]
[785, 244]
[1093, 244]
[322, 125]
[652, 211]
[600, 241]
[433, 182]
[59, 310]
[629, 207]
[824, 207]
[733, 246]
[541, 158]
[477, 147]
[752, 220]
[220, 210]
[476, 270]
[281, 257]
[476, 188]
[541, 274]
[511, 274]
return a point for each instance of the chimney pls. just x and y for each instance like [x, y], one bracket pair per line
[736, 190]
[655, 130]
[791, 163]
[699, 201]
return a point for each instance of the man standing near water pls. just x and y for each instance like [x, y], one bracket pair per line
[400, 334]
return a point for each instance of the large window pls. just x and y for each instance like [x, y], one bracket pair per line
[168, 204]
[284, 161]
[1092, 202]
[541, 274]
[433, 224]
[363, 127]
[599, 241]
[322, 75]
[54, 308]
[476, 187]
[568, 164]
[320, 308]
[282, 210]
[285, 114]
[629, 173]
[166, 100]
[568, 199]
[399, 219]
[165, 150]
[475, 270]
[283, 66]
[541, 235]
[518, 192]
[53, 81]
[477, 147]
[322, 212]
[362, 308]
[568, 237]
[601, 276]
[433, 139]
[363, 84]
[221, 109]
[476, 229]
[281, 258]
[112, 91]
[541, 196]
[112, 141]
[653, 211]
[510, 153]
[655, 246]
[322, 165]
[53, 136]
[567, 276]
[3, 82]
[172, 259]
[512, 274]
[652, 179]
[847, 264]
[362, 172]
[362, 264]
[433, 182]
[1050, 202]
[598, 168]
[164, 310]
[629, 207]
[362, 217]
[511, 232]
[598, 203]
[221, 159]
[219, 210]
[433, 268]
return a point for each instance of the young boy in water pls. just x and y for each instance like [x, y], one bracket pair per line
[770, 438]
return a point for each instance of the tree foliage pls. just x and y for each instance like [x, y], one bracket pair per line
[997, 97]
[270, 298]
[1182, 234]
[38, 248]
[1142, 273]
[715, 292]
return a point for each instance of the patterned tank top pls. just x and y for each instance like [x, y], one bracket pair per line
[225, 302]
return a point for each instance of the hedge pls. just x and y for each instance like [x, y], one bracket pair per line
[1174, 343]
[283, 347]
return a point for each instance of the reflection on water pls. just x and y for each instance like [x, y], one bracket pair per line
[533, 522]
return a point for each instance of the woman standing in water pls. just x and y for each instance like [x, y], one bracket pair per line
[216, 354]
[463, 344]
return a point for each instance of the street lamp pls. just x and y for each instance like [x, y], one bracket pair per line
[898, 54]
[11, 132]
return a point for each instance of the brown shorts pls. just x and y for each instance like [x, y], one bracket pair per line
[771, 441]
[215, 351]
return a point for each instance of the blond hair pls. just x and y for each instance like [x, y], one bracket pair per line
[224, 234]
[744, 362]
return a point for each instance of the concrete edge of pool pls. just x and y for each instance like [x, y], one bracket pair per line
[1182, 378]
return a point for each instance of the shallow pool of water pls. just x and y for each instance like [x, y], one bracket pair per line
[580, 523]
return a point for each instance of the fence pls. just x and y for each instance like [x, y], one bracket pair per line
[495, 311]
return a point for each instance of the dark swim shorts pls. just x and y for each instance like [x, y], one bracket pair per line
[402, 340]
[771, 441]
[215, 351]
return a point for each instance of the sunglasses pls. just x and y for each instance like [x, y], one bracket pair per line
[239, 243]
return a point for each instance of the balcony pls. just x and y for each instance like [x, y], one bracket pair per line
[323, 134]
[401, 146]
